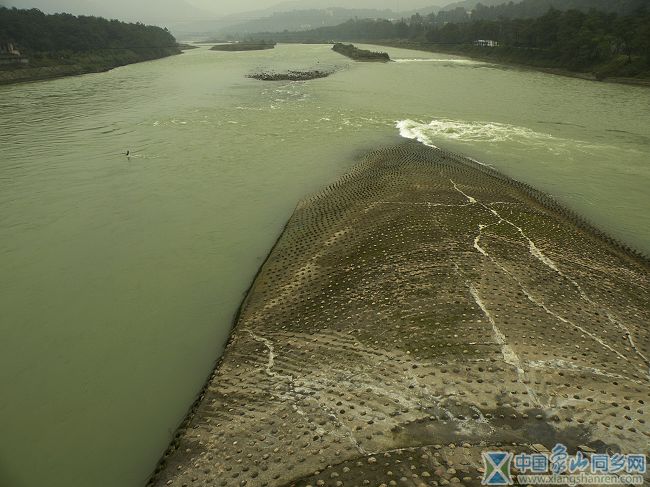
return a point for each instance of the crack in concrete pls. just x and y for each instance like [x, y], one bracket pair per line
[509, 355]
[543, 306]
[628, 334]
[271, 360]
[469, 198]
[539, 255]
[293, 391]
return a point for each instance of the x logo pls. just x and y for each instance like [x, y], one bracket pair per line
[497, 468]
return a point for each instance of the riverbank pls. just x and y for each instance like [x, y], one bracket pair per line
[51, 67]
[420, 310]
[516, 59]
[244, 46]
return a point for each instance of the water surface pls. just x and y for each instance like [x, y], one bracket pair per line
[121, 276]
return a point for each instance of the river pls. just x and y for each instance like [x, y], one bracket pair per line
[121, 275]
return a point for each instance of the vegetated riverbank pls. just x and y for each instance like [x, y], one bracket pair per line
[244, 46]
[359, 259]
[357, 54]
[37, 46]
[291, 75]
[517, 57]
[611, 44]
[89, 62]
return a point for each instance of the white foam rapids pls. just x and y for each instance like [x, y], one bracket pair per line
[461, 62]
[468, 131]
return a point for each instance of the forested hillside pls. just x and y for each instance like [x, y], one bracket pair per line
[63, 44]
[35, 31]
[494, 9]
[537, 8]
[605, 43]
[614, 41]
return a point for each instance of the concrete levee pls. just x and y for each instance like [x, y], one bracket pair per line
[416, 312]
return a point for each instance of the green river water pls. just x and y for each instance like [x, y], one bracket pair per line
[120, 276]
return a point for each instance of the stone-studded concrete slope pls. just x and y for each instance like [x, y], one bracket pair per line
[418, 311]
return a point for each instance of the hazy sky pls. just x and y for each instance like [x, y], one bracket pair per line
[195, 9]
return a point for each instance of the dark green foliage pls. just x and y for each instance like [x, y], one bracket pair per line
[35, 32]
[360, 54]
[537, 8]
[573, 39]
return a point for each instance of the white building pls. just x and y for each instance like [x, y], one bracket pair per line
[9, 55]
[486, 43]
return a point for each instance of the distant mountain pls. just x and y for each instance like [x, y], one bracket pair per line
[301, 15]
[296, 20]
[165, 11]
[76, 7]
[471, 4]
[394, 5]
[230, 7]
[187, 21]
[297, 16]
